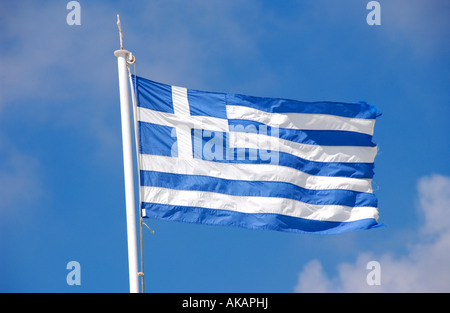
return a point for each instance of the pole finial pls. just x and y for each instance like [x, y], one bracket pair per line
[120, 32]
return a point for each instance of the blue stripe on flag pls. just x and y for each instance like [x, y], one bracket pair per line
[351, 170]
[310, 137]
[274, 105]
[257, 189]
[257, 221]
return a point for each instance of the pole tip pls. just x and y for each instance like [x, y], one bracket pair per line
[120, 32]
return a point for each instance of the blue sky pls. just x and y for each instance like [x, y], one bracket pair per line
[61, 174]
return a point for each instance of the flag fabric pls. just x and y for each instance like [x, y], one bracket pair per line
[259, 163]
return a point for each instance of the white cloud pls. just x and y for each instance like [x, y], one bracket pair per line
[423, 269]
[435, 202]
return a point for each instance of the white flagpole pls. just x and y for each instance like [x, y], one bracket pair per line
[122, 56]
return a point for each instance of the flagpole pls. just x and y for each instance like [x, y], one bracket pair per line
[122, 56]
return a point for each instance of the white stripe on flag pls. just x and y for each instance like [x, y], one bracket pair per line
[252, 172]
[350, 154]
[302, 120]
[249, 204]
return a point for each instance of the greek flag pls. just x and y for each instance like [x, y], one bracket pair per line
[259, 163]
